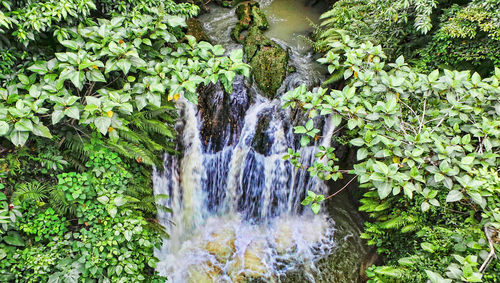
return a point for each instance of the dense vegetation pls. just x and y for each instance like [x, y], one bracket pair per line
[87, 92]
[427, 140]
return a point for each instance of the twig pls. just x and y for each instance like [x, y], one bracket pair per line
[345, 186]
[423, 116]
[488, 231]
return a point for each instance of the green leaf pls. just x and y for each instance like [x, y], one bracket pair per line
[39, 67]
[357, 142]
[383, 189]
[103, 199]
[112, 210]
[57, 115]
[96, 76]
[362, 154]
[119, 201]
[77, 78]
[102, 124]
[4, 128]
[428, 247]
[128, 235]
[304, 141]
[72, 112]
[315, 207]
[14, 239]
[309, 125]
[453, 196]
[380, 167]
[124, 65]
[300, 130]
[236, 55]
[23, 79]
[42, 131]
[18, 138]
[436, 278]
[24, 125]
[336, 120]
[467, 160]
[218, 50]
[425, 206]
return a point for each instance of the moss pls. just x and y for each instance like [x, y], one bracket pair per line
[195, 29]
[268, 60]
[228, 3]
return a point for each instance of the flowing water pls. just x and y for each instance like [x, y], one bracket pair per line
[236, 212]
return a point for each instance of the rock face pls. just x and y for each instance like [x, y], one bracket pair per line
[268, 60]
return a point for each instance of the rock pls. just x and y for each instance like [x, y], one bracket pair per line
[268, 60]
[204, 273]
[249, 265]
[261, 142]
[195, 29]
[222, 245]
[283, 238]
[228, 3]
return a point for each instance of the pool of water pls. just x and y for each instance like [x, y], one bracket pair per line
[291, 21]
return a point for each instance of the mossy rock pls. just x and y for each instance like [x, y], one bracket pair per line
[195, 29]
[268, 60]
[228, 3]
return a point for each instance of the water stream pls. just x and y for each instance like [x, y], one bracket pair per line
[236, 212]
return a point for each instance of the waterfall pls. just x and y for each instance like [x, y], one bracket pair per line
[236, 211]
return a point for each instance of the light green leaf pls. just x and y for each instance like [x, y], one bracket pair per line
[453, 196]
[4, 128]
[315, 207]
[467, 160]
[428, 247]
[42, 131]
[24, 125]
[57, 115]
[103, 199]
[102, 124]
[72, 112]
[18, 138]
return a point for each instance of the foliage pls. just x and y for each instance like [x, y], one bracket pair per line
[428, 155]
[87, 105]
[463, 34]
[105, 239]
[110, 76]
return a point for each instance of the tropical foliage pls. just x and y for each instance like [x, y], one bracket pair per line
[427, 153]
[452, 34]
[87, 104]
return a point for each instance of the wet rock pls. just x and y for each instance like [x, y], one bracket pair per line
[283, 238]
[204, 273]
[249, 265]
[228, 3]
[222, 114]
[222, 245]
[195, 29]
[261, 142]
[268, 60]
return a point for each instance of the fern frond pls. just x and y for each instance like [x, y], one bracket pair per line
[32, 191]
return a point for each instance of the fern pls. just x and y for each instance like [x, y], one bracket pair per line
[32, 191]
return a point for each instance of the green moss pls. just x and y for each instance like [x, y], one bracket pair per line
[228, 3]
[268, 60]
[194, 28]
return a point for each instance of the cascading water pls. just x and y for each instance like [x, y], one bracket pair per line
[236, 211]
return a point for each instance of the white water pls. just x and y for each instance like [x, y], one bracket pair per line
[236, 213]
